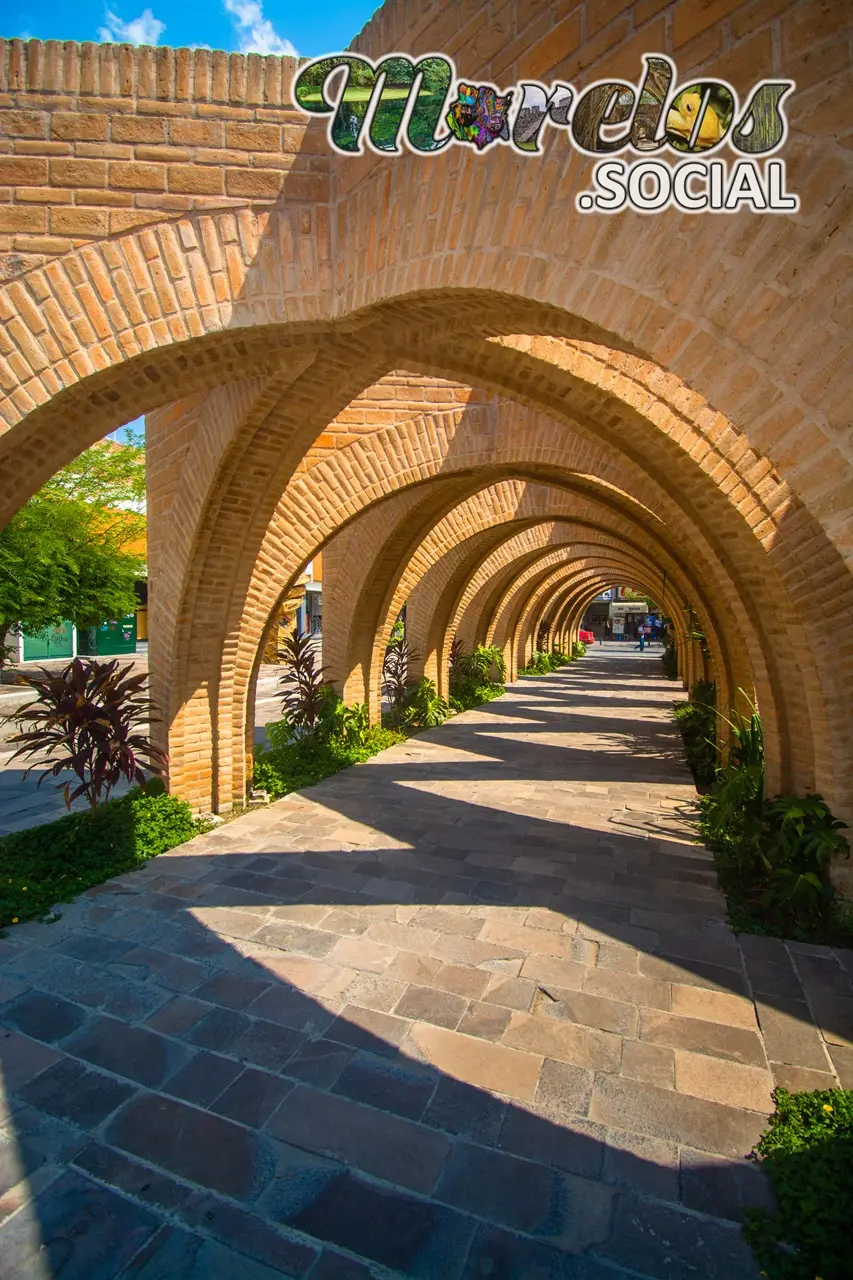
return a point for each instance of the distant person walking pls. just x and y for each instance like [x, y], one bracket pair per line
[641, 644]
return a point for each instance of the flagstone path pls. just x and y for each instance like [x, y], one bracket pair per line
[468, 1010]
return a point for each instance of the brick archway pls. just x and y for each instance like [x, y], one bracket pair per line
[279, 301]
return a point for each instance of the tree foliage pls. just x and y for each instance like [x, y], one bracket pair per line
[68, 553]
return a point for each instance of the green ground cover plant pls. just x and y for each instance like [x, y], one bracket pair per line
[697, 720]
[293, 764]
[89, 721]
[55, 862]
[773, 855]
[477, 677]
[807, 1153]
[542, 663]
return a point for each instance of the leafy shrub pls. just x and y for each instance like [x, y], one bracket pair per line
[807, 1153]
[540, 664]
[773, 856]
[578, 649]
[475, 678]
[424, 709]
[470, 695]
[56, 861]
[697, 720]
[304, 692]
[291, 765]
[559, 658]
[399, 657]
[88, 720]
[486, 663]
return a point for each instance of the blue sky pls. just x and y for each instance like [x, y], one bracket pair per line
[244, 26]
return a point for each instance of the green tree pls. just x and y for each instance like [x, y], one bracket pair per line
[68, 553]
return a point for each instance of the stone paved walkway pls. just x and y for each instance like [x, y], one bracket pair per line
[471, 1009]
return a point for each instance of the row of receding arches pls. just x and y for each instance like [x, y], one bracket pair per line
[491, 519]
[276, 448]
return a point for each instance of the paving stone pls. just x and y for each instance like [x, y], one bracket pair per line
[796, 1079]
[175, 1252]
[630, 988]
[252, 1098]
[203, 1078]
[789, 1034]
[411, 1237]
[177, 1015]
[253, 1237]
[513, 993]
[677, 1117]
[319, 1062]
[195, 1145]
[650, 1062]
[714, 1006]
[133, 1052]
[423, 1004]
[44, 1017]
[266, 1044]
[232, 990]
[475, 1061]
[77, 1229]
[70, 1092]
[488, 1021]
[842, 1060]
[666, 1241]
[139, 1181]
[504, 1255]
[722, 1081]
[734, 1043]
[560, 973]
[383, 1145]
[335, 1266]
[641, 1164]
[298, 938]
[408, 967]
[572, 1145]
[91, 947]
[460, 980]
[589, 1010]
[403, 1089]
[217, 1029]
[368, 1029]
[566, 1042]
[524, 1196]
[723, 1188]
[461, 1108]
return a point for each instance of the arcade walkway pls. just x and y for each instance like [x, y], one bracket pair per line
[471, 1009]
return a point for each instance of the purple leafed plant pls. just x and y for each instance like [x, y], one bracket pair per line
[88, 719]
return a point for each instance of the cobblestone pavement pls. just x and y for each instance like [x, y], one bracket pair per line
[470, 1009]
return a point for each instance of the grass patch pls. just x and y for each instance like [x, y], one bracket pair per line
[57, 861]
[290, 766]
[468, 696]
[807, 1152]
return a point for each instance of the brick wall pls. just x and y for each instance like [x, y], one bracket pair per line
[97, 139]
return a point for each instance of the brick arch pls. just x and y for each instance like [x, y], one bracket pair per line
[374, 466]
[451, 568]
[513, 619]
[378, 582]
[765, 699]
[393, 315]
[506, 363]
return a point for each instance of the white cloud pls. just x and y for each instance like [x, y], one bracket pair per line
[146, 29]
[255, 32]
